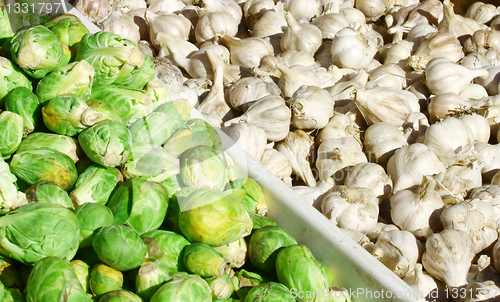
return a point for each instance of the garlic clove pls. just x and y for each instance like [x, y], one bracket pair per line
[380, 227]
[296, 147]
[278, 164]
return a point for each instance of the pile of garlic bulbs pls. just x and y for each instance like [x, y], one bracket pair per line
[381, 114]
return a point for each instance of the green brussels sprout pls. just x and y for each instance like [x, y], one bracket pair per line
[235, 253]
[297, 268]
[13, 295]
[260, 221]
[44, 165]
[150, 278]
[38, 230]
[23, 101]
[132, 104]
[49, 192]
[105, 279]
[69, 31]
[82, 270]
[37, 51]
[270, 291]
[120, 296]
[11, 77]
[139, 203]
[190, 288]
[53, 278]
[166, 247]
[150, 162]
[146, 74]
[74, 78]
[265, 244]
[203, 168]
[5, 25]
[119, 246]
[158, 93]
[95, 184]
[249, 279]
[213, 218]
[107, 111]
[92, 216]
[68, 115]
[10, 198]
[11, 133]
[201, 259]
[56, 142]
[197, 132]
[115, 59]
[9, 275]
[172, 186]
[254, 200]
[221, 287]
[107, 143]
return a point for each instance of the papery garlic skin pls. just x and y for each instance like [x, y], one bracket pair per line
[382, 140]
[96, 10]
[311, 106]
[351, 207]
[302, 9]
[228, 6]
[352, 49]
[168, 73]
[278, 164]
[371, 176]
[123, 25]
[250, 137]
[247, 52]
[293, 77]
[436, 45]
[214, 25]
[244, 92]
[479, 126]
[459, 179]
[300, 36]
[448, 256]
[330, 24]
[166, 6]
[296, 147]
[340, 125]
[481, 12]
[335, 155]
[449, 104]
[392, 76]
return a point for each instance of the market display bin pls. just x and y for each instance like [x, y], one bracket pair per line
[352, 267]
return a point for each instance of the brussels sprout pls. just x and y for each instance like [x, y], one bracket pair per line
[69, 31]
[119, 246]
[39, 230]
[132, 104]
[107, 111]
[5, 25]
[13, 295]
[201, 259]
[82, 270]
[37, 51]
[10, 198]
[44, 165]
[271, 291]
[196, 133]
[297, 268]
[213, 218]
[146, 74]
[5, 172]
[254, 200]
[56, 142]
[167, 247]
[92, 216]
[49, 192]
[74, 78]
[191, 288]
[23, 101]
[150, 162]
[116, 60]
[265, 244]
[11, 77]
[68, 115]
[8, 273]
[95, 184]
[221, 287]
[203, 168]
[260, 221]
[150, 278]
[234, 253]
[107, 143]
[172, 186]
[11, 133]
[139, 203]
[52, 278]
[249, 279]
[120, 296]
[158, 93]
[105, 279]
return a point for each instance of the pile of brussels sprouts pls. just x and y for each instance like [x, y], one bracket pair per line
[110, 191]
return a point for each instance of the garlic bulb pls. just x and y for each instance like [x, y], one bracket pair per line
[458, 180]
[392, 76]
[96, 10]
[314, 195]
[436, 45]
[344, 89]
[421, 282]
[172, 47]
[354, 16]
[278, 164]
[474, 217]
[330, 24]
[123, 25]
[247, 52]
[382, 140]
[293, 77]
[147, 49]
[165, 6]
[300, 36]
[269, 113]
[371, 176]
[311, 107]
[172, 24]
[352, 49]
[433, 14]
[448, 256]
[475, 59]
[303, 9]
[492, 81]
[351, 207]
[213, 25]
[481, 12]
[254, 9]
[481, 291]
[479, 126]
[271, 23]
[384, 104]
[489, 194]
[400, 251]
[250, 137]
[410, 164]
[168, 73]
[483, 39]
[420, 32]
[449, 104]
[460, 27]
[340, 125]
[296, 147]
[372, 9]
[244, 92]
[379, 229]
[227, 6]
[357, 236]
[398, 53]
[417, 123]
[294, 57]
[418, 209]
[336, 155]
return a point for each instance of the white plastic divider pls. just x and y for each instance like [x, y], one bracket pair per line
[352, 266]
